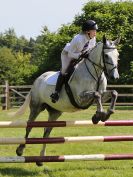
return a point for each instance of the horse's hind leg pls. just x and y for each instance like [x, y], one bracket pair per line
[35, 109]
[53, 115]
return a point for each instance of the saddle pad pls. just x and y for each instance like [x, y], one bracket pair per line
[51, 80]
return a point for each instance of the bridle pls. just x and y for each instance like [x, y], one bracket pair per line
[103, 68]
[106, 62]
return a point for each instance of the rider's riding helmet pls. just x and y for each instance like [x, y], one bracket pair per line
[89, 25]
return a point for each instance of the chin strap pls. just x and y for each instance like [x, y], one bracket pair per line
[89, 35]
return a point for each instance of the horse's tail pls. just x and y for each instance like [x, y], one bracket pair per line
[22, 109]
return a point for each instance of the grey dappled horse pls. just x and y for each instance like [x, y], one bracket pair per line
[88, 85]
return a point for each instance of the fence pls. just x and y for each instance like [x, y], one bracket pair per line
[54, 140]
[12, 96]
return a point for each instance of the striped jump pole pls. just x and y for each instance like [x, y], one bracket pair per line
[58, 140]
[66, 158]
[78, 123]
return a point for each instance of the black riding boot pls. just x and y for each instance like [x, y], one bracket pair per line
[55, 96]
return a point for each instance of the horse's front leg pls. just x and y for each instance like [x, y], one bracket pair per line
[87, 97]
[105, 97]
[100, 114]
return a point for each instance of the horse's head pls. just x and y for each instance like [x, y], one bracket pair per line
[110, 58]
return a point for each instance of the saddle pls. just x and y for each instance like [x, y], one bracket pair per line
[52, 79]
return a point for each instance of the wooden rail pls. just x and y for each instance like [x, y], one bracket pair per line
[12, 96]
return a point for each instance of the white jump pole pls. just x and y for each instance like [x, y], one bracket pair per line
[58, 140]
[66, 158]
[77, 123]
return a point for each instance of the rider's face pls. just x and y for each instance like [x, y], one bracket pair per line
[91, 33]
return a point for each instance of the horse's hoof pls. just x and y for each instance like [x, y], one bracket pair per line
[101, 116]
[95, 119]
[105, 117]
[39, 164]
[18, 152]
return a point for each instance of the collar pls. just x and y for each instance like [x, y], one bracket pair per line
[87, 36]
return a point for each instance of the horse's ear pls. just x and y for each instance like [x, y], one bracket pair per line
[104, 39]
[117, 41]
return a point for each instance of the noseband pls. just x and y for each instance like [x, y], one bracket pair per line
[106, 62]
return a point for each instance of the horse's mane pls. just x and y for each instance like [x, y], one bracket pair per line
[109, 44]
[97, 44]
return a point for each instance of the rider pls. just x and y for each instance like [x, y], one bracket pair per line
[76, 49]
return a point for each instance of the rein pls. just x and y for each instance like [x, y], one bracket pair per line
[94, 64]
[103, 68]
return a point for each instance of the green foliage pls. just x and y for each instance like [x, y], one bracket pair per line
[48, 49]
[7, 61]
[15, 58]
[8, 39]
[69, 30]
[15, 67]
[24, 69]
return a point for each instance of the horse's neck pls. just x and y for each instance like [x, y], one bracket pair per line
[96, 54]
[94, 64]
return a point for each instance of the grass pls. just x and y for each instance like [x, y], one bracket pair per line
[71, 169]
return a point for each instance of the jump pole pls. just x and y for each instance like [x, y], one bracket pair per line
[66, 158]
[58, 140]
[77, 123]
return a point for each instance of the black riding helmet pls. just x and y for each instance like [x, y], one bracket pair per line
[89, 25]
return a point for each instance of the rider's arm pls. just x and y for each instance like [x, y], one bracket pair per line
[75, 48]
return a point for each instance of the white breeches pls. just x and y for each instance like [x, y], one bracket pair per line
[65, 60]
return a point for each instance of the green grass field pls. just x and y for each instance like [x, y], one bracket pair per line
[71, 169]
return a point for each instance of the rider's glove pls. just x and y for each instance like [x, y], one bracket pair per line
[84, 55]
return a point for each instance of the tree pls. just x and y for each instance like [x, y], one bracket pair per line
[8, 39]
[7, 61]
[15, 67]
[24, 68]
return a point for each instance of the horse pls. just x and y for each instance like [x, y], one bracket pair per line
[86, 86]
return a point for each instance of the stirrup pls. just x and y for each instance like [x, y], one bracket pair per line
[54, 97]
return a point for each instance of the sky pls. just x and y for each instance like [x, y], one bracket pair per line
[28, 17]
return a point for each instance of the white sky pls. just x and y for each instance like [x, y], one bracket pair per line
[28, 17]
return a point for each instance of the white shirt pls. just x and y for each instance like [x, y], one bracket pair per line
[77, 44]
